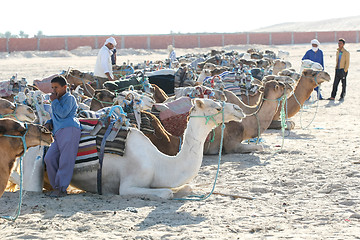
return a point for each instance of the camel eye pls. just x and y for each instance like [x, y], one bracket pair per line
[218, 109]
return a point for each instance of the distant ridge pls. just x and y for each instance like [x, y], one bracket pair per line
[334, 24]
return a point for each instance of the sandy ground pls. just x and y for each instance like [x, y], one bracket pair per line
[310, 190]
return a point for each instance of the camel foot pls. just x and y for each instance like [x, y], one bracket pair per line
[249, 148]
[182, 191]
[276, 124]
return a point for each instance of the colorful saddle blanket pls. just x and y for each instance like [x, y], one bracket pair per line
[89, 146]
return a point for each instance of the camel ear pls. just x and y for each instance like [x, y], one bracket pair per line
[199, 103]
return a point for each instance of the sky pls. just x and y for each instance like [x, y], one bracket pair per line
[137, 17]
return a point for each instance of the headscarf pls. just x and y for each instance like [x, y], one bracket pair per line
[110, 40]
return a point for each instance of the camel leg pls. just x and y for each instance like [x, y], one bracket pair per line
[182, 191]
[245, 148]
[276, 124]
[165, 193]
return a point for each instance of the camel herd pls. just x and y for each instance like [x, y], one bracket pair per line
[244, 91]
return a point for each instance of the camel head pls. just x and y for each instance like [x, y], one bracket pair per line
[211, 108]
[102, 98]
[22, 112]
[316, 77]
[34, 134]
[76, 77]
[143, 101]
[275, 89]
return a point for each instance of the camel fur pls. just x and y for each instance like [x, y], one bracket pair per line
[11, 148]
[19, 112]
[150, 172]
[236, 132]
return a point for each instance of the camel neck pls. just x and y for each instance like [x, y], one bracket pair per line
[189, 159]
[264, 116]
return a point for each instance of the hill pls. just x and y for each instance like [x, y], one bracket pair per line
[335, 24]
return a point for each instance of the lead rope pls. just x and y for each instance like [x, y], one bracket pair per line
[204, 197]
[317, 106]
[13, 218]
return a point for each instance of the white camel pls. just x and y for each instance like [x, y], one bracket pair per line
[144, 170]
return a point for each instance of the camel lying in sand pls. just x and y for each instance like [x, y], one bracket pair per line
[19, 112]
[11, 148]
[149, 172]
[252, 125]
[308, 81]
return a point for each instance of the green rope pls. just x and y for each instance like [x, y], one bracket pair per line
[13, 218]
[204, 197]
[11, 114]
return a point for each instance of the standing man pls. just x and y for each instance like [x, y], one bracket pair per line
[315, 55]
[103, 68]
[113, 57]
[60, 158]
[341, 70]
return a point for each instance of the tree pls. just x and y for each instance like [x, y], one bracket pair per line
[39, 34]
[23, 35]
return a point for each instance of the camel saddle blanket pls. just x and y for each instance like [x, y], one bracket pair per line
[87, 158]
[12, 86]
[123, 84]
[174, 108]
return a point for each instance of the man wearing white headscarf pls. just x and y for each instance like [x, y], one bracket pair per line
[103, 68]
[315, 55]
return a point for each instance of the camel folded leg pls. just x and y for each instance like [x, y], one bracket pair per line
[165, 193]
[244, 148]
[276, 124]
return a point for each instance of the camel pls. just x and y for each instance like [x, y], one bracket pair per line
[19, 112]
[150, 172]
[280, 65]
[78, 78]
[11, 148]
[252, 125]
[308, 81]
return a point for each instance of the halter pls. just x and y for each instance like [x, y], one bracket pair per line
[13, 218]
[11, 114]
[211, 117]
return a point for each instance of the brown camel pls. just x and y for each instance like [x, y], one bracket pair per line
[280, 65]
[19, 112]
[236, 132]
[308, 81]
[75, 77]
[11, 148]
[248, 109]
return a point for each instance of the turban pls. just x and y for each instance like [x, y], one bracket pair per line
[315, 41]
[110, 40]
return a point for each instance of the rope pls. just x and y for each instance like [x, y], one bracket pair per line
[204, 197]
[13, 218]
[317, 105]
[11, 114]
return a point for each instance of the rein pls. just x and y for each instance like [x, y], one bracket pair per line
[210, 117]
[317, 105]
[13, 218]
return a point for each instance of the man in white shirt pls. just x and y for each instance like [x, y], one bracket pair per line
[103, 68]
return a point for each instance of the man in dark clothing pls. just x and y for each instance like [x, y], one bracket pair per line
[341, 70]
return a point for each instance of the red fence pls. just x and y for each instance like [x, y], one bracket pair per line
[177, 40]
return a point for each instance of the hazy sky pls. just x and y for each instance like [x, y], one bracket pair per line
[80, 17]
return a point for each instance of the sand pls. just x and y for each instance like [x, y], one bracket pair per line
[310, 190]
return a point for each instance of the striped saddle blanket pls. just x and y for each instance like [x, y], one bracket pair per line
[87, 158]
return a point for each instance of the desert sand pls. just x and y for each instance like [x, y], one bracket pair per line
[309, 190]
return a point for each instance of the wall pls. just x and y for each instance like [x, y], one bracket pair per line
[178, 40]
